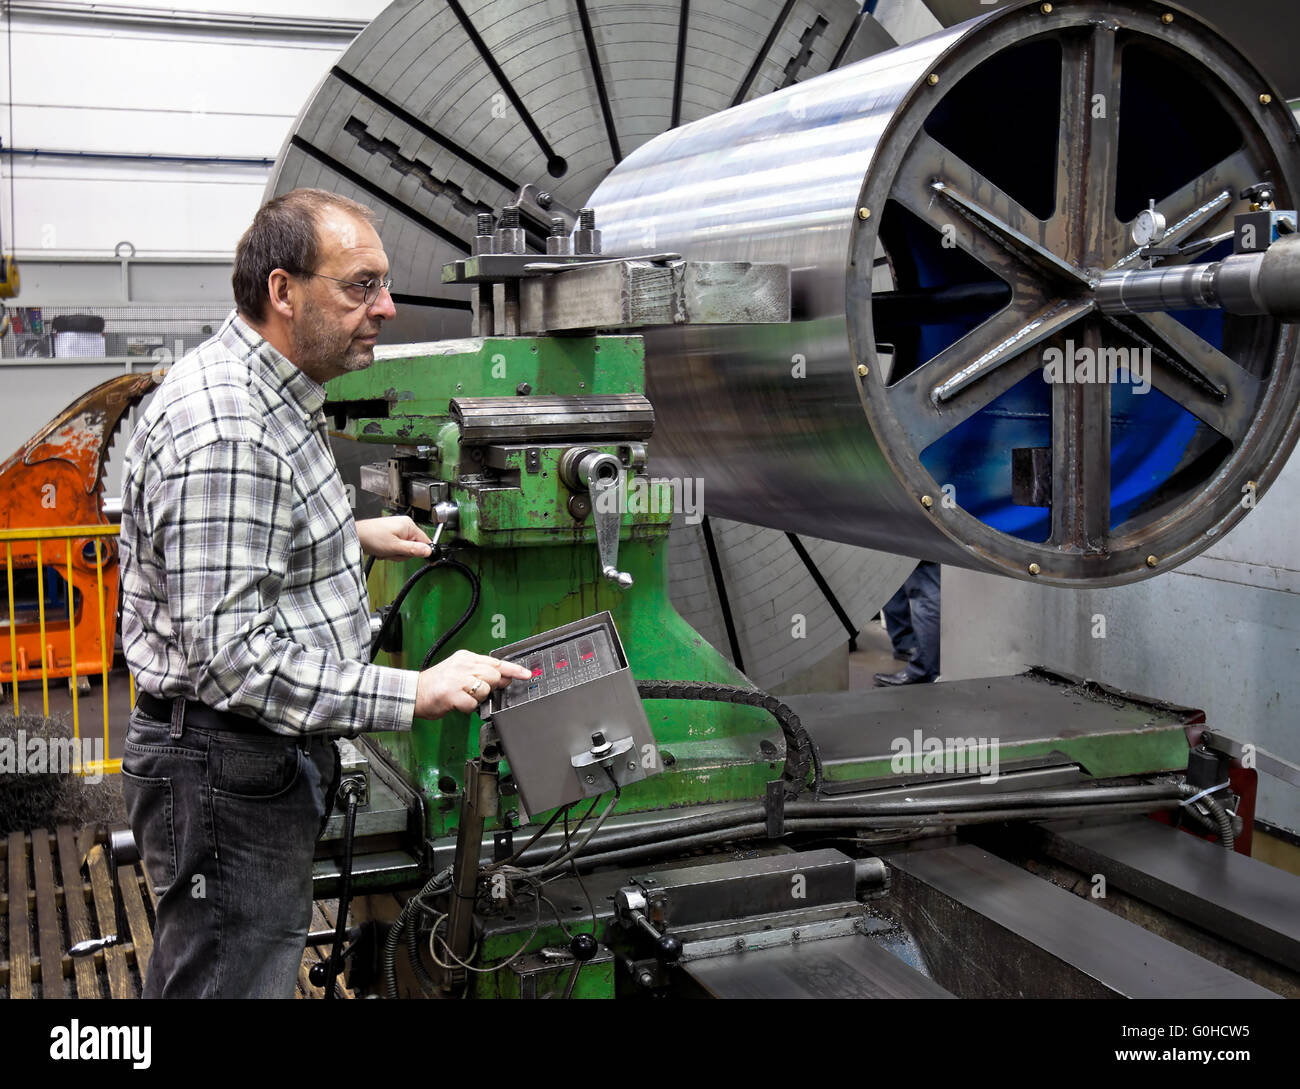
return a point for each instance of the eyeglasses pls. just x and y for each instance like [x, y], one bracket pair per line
[369, 289]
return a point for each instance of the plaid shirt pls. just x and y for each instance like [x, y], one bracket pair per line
[242, 583]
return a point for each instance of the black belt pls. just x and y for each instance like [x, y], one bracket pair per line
[200, 715]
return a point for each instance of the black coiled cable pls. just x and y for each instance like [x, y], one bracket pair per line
[390, 617]
[474, 588]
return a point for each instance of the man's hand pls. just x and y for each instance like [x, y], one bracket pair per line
[462, 682]
[395, 538]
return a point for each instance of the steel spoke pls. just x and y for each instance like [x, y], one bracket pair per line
[974, 371]
[1191, 371]
[1081, 459]
[1084, 230]
[995, 229]
[1005, 235]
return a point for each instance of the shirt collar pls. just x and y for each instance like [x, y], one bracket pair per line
[276, 369]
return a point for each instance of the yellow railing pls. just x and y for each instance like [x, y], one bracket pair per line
[66, 534]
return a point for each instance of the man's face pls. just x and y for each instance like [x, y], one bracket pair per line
[333, 331]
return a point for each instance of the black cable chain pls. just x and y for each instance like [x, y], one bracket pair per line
[801, 754]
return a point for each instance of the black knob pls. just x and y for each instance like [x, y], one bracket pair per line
[317, 972]
[597, 739]
[670, 949]
[583, 946]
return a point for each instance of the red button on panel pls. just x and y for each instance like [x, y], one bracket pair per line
[563, 663]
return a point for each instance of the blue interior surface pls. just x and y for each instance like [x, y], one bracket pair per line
[1150, 435]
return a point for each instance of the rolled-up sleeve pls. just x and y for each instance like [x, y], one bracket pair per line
[223, 519]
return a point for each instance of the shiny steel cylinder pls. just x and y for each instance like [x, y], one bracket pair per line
[1246, 283]
[1267, 283]
[822, 427]
[1142, 290]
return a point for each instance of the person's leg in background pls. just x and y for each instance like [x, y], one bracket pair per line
[921, 591]
[898, 623]
[923, 598]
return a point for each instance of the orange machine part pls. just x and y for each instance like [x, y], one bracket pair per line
[56, 479]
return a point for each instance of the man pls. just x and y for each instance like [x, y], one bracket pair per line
[912, 620]
[244, 608]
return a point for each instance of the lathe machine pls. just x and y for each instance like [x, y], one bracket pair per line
[1014, 297]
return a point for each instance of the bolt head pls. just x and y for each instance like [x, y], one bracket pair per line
[1265, 99]
[864, 213]
[1046, 9]
[1152, 561]
[1167, 18]
[932, 79]
[1034, 568]
[927, 502]
[862, 370]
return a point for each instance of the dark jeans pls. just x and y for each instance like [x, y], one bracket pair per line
[912, 620]
[227, 825]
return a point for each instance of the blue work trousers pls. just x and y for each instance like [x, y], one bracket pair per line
[226, 823]
[912, 620]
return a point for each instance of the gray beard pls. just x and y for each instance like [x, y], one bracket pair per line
[322, 354]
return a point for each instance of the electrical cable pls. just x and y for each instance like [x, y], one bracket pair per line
[390, 617]
[595, 922]
[439, 882]
[474, 586]
[1215, 820]
[564, 847]
[537, 923]
[555, 864]
[535, 837]
[427, 983]
[335, 961]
